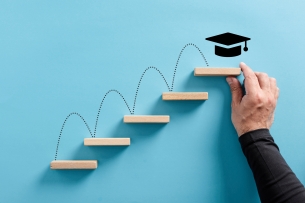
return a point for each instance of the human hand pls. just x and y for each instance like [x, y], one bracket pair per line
[255, 109]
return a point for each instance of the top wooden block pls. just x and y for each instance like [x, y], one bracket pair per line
[217, 71]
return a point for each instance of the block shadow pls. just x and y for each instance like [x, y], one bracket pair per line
[162, 107]
[137, 132]
[63, 177]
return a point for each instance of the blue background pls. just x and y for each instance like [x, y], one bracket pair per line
[58, 57]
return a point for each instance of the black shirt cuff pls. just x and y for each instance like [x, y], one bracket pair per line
[254, 136]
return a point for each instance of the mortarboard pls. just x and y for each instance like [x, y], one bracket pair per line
[228, 39]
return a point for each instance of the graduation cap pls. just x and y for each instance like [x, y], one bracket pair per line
[228, 39]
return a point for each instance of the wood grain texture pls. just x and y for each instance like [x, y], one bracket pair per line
[185, 96]
[74, 164]
[107, 141]
[217, 71]
[146, 119]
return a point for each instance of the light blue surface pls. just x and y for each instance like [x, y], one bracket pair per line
[58, 57]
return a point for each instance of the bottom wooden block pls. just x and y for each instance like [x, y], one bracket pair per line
[107, 141]
[74, 164]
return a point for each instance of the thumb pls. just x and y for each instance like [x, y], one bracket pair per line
[236, 90]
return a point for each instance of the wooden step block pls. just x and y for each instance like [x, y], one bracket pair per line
[217, 71]
[107, 141]
[185, 96]
[74, 164]
[146, 119]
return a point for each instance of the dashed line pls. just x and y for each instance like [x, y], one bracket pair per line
[63, 125]
[177, 62]
[99, 110]
[137, 91]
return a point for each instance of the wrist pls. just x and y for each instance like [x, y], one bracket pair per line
[244, 127]
[250, 130]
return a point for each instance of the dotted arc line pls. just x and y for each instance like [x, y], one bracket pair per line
[177, 62]
[63, 125]
[135, 98]
[137, 91]
[99, 110]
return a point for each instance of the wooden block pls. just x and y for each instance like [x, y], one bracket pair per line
[185, 96]
[74, 164]
[217, 71]
[107, 141]
[146, 119]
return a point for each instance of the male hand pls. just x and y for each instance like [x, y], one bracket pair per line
[255, 109]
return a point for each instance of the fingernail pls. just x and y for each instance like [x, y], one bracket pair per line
[229, 80]
[243, 63]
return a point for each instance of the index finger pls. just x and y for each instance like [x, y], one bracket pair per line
[251, 81]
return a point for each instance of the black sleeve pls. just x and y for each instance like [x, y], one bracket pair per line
[275, 181]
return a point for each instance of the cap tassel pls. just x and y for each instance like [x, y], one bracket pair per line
[245, 48]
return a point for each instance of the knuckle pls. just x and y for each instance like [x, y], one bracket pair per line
[259, 98]
[261, 74]
[234, 88]
[273, 82]
[265, 75]
[271, 101]
[256, 100]
[273, 79]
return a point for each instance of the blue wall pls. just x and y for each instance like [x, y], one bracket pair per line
[58, 57]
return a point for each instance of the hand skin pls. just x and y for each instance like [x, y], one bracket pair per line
[255, 109]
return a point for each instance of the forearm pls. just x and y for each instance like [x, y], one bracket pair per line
[274, 179]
